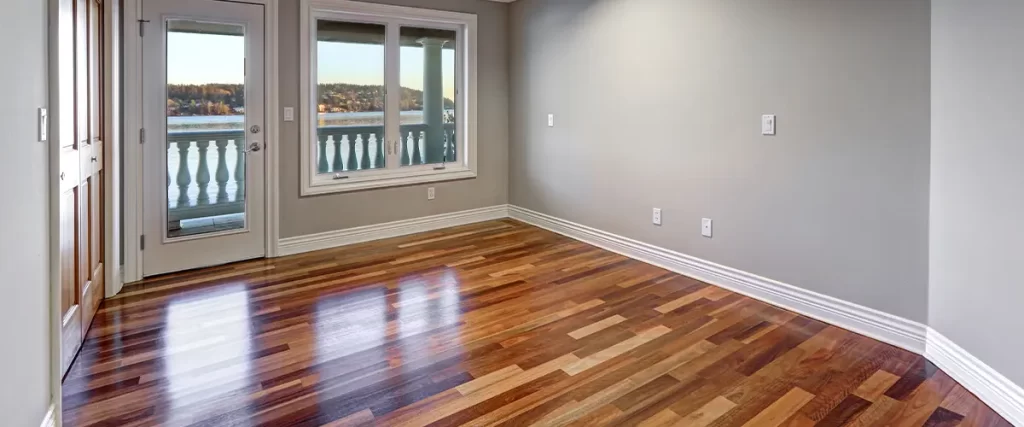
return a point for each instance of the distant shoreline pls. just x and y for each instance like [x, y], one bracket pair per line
[196, 123]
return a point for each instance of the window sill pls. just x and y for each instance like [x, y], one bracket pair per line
[376, 182]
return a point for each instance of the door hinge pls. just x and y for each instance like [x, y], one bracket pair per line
[142, 242]
[142, 136]
[142, 27]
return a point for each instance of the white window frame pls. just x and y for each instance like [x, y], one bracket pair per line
[465, 26]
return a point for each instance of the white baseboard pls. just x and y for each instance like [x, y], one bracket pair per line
[50, 419]
[333, 239]
[1005, 397]
[882, 326]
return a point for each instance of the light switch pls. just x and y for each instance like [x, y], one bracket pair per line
[43, 119]
[289, 114]
[551, 120]
[768, 124]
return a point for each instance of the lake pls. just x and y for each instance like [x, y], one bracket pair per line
[197, 123]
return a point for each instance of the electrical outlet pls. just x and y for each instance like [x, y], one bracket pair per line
[430, 193]
[656, 218]
[705, 227]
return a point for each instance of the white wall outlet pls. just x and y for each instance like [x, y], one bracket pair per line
[430, 193]
[551, 120]
[768, 124]
[705, 227]
[656, 218]
[289, 114]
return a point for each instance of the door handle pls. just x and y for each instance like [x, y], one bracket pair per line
[255, 146]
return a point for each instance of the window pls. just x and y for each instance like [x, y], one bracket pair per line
[388, 96]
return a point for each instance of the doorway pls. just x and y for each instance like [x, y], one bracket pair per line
[204, 134]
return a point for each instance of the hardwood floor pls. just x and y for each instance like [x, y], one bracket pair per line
[485, 324]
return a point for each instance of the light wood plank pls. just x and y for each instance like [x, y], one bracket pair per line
[597, 326]
[686, 299]
[616, 350]
[873, 388]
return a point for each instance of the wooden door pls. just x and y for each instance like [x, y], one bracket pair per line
[81, 210]
[92, 172]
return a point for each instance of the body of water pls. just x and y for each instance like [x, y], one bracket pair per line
[197, 123]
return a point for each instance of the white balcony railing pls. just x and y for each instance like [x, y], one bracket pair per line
[189, 194]
[195, 189]
[354, 148]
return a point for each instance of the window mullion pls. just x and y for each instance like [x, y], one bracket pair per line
[392, 105]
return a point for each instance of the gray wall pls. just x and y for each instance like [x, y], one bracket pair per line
[24, 217]
[669, 117]
[977, 176]
[307, 215]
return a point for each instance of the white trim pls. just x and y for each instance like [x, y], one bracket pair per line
[464, 24]
[113, 147]
[333, 239]
[272, 125]
[131, 149]
[50, 419]
[392, 181]
[895, 330]
[1005, 397]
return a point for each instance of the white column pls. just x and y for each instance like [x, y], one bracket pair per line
[433, 99]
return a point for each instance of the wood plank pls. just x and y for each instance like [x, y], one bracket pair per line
[615, 350]
[708, 413]
[876, 385]
[781, 409]
[597, 326]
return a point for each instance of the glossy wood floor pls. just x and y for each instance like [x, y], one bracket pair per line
[497, 323]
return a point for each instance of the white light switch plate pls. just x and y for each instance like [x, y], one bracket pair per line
[768, 124]
[43, 123]
[551, 120]
[705, 227]
[289, 114]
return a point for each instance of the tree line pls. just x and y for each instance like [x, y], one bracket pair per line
[222, 99]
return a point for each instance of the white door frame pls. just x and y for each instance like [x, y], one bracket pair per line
[133, 218]
[60, 98]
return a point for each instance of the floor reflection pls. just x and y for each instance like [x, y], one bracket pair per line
[207, 343]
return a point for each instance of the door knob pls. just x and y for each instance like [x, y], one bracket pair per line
[255, 146]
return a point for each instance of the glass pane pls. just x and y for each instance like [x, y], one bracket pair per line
[428, 96]
[205, 127]
[350, 97]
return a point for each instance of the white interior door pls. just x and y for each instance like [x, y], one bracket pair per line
[203, 112]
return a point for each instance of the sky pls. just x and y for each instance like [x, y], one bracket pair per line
[209, 58]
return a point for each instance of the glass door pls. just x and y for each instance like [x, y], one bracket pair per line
[203, 110]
